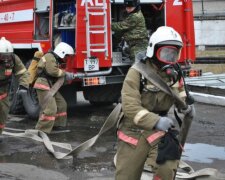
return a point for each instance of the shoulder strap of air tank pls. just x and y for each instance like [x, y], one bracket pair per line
[157, 81]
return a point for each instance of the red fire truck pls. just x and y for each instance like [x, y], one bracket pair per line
[86, 25]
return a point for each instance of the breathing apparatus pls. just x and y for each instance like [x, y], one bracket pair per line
[164, 49]
[6, 53]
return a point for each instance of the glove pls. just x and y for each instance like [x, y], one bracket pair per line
[22, 89]
[190, 111]
[164, 124]
[69, 76]
[38, 54]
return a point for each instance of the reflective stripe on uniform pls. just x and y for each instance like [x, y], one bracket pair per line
[21, 71]
[127, 139]
[8, 72]
[3, 96]
[155, 136]
[139, 115]
[47, 118]
[41, 86]
[61, 114]
[2, 126]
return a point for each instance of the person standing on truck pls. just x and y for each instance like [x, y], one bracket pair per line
[132, 28]
[10, 64]
[48, 72]
[145, 108]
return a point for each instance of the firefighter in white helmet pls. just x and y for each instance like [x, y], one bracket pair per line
[10, 64]
[145, 109]
[55, 113]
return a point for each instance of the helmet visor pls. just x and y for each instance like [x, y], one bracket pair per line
[6, 57]
[168, 54]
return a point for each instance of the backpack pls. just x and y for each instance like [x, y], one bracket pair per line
[32, 69]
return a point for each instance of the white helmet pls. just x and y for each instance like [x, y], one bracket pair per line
[5, 46]
[163, 35]
[63, 49]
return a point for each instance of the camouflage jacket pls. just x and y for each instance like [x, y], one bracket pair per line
[132, 28]
[49, 71]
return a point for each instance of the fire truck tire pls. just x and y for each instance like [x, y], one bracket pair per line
[31, 104]
[16, 102]
[103, 95]
[69, 93]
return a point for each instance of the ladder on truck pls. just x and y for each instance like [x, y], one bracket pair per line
[101, 29]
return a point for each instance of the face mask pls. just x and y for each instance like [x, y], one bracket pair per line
[6, 59]
[168, 54]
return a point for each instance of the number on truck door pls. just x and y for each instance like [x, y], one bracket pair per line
[177, 3]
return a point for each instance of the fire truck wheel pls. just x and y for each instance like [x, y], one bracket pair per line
[16, 102]
[31, 104]
[69, 94]
[103, 95]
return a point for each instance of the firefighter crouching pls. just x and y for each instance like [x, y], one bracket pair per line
[145, 108]
[132, 28]
[10, 64]
[48, 72]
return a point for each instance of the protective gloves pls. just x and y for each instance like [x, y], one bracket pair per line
[69, 76]
[164, 124]
[38, 55]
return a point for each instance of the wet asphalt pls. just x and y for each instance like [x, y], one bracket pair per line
[26, 159]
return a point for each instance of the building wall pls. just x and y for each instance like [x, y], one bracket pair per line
[209, 22]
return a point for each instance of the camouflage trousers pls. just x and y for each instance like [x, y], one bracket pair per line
[4, 107]
[55, 113]
[131, 160]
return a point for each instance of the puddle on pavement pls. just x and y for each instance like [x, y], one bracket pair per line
[203, 153]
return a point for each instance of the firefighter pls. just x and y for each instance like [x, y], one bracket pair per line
[10, 64]
[145, 108]
[48, 72]
[132, 28]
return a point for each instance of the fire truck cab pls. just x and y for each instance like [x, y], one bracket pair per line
[99, 58]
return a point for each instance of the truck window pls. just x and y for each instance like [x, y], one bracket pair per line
[64, 21]
[41, 17]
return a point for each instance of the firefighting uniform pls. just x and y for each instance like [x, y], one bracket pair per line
[137, 138]
[134, 31]
[17, 68]
[55, 113]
